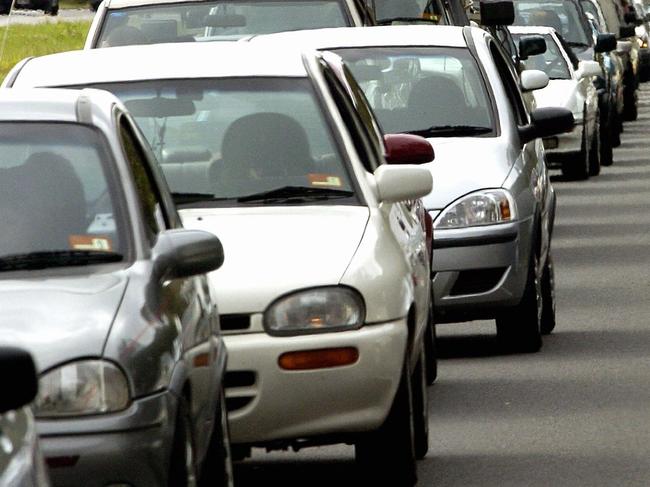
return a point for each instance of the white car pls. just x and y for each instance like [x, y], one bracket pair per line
[578, 151]
[128, 22]
[493, 205]
[325, 292]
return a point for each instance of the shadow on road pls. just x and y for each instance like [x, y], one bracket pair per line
[302, 473]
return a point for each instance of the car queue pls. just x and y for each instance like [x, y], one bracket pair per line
[254, 252]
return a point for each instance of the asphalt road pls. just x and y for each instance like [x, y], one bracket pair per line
[575, 414]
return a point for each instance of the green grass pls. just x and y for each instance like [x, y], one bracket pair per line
[73, 4]
[37, 40]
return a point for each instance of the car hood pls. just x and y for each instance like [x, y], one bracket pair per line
[59, 319]
[270, 251]
[559, 93]
[465, 164]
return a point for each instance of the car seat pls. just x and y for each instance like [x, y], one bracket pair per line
[436, 101]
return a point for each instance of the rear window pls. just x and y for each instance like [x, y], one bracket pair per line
[209, 21]
[552, 62]
[564, 16]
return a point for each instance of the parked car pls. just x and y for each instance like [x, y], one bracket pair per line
[128, 22]
[577, 151]
[50, 7]
[100, 282]
[326, 294]
[21, 462]
[454, 86]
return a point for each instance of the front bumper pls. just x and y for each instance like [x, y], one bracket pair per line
[479, 271]
[281, 406]
[129, 448]
[562, 147]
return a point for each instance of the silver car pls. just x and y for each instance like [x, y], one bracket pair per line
[493, 204]
[21, 463]
[100, 282]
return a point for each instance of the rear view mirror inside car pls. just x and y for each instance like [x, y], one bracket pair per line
[223, 21]
[160, 107]
[531, 45]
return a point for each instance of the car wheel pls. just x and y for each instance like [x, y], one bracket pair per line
[548, 297]
[420, 408]
[54, 9]
[217, 467]
[519, 329]
[630, 110]
[594, 150]
[607, 141]
[578, 169]
[182, 463]
[387, 456]
[431, 348]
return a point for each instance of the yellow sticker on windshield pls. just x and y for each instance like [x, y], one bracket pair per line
[90, 242]
[325, 180]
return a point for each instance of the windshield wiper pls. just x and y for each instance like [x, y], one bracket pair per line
[296, 194]
[56, 258]
[459, 130]
[187, 198]
[416, 20]
[577, 44]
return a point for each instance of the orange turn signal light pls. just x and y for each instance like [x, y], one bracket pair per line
[318, 359]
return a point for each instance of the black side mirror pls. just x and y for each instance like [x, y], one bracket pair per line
[531, 46]
[20, 381]
[605, 43]
[184, 253]
[497, 12]
[627, 31]
[545, 122]
[632, 18]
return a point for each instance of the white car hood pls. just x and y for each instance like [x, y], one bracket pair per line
[271, 251]
[561, 93]
[465, 164]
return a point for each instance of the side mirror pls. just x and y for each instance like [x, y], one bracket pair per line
[497, 12]
[401, 183]
[20, 381]
[623, 46]
[545, 122]
[632, 18]
[587, 69]
[605, 43]
[531, 46]
[407, 149]
[627, 31]
[533, 79]
[184, 253]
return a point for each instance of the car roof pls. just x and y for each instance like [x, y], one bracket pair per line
[160, 61]
[393, 35]
[55, 105]
[533, 29]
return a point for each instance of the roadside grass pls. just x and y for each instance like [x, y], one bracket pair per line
[37, 40]
[68, 4]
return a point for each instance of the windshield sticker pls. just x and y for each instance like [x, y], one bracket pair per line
[324, 180]
[90, 242]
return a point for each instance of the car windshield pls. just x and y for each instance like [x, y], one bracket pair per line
[207, 21]
[239, 141]
[433, 92]
[563, 15]
[552, 62]
[386, 10]
[57, 207]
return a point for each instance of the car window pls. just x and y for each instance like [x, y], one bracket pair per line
[148, 195]
[56, 190]
[552, 62]
[205, 21]
[431, 10]
[564, 16]
[426, 91]
[221, 140]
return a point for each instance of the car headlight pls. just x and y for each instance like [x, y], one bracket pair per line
[82, 388]
[317, 310]
[485, 207]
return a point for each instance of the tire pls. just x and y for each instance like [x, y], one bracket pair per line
[420, 408]
[578, 170]
[630, 109]
[607, 140]
[387, 456]
[217, 466]
[431, 349]
[548, 297]
[594, 150]
[182, 463]
[519, 329]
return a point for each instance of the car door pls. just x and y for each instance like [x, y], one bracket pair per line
[185, 305]
[405, 219]
[531, 188]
